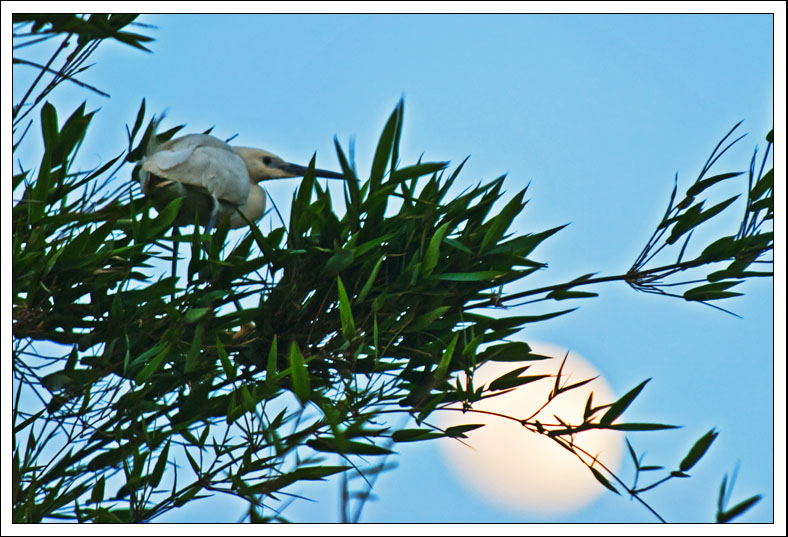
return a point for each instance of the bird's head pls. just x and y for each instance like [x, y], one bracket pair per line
[263, 165]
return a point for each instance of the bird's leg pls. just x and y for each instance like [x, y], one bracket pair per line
[211, 224]
[214, 212]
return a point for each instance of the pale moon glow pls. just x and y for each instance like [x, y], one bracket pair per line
[524, 471]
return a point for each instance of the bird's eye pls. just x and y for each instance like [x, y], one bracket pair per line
[267, 161]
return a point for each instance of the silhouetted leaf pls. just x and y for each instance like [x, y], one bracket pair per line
[564, 294]
[712, 291]
[602, 479]
[458, 431]
[511, 381]
[161, 465]
[347, 448]
[522, 246]
[640, 426]
[692, 219]
[698, 450]
[415, 435]
[618, 408]
[97, 494]
[739, 509]
[703, 184]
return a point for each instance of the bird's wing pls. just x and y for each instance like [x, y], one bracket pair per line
[190, 141]
[217, 169]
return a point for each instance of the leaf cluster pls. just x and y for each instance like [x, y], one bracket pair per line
[90, 31]
[352, 316]
[749, 246]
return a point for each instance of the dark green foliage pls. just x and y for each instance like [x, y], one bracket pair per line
[90, 28]
[373, 297]
[726, 515]
[698, 450]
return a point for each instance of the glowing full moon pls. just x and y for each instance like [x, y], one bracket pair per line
[524, 471]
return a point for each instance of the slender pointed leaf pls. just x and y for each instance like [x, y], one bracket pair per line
[739, 509]
[345, 313]
[602, 479]
[618, 408]
[698, 450]
[299, 374]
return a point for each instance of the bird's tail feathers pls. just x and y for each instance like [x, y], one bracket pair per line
[151, 147]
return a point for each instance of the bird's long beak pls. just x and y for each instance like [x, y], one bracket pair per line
[299, 171]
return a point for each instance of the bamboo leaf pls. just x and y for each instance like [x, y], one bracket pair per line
[152, 366]
[351, 184]
[270, 369]
[589, 409]
[724, 248]
[618, 408]
[195, 350]
[443, 366]
[501, 222]
[458, 431]
[433, 250]
[331, 445]
[370, 280]
[161, 465]
[97, 494]
[417, 170]
[138, 121]
[698, 450]
[763, 185]
[192, 462]
[721, 498]
[425, 320]
[384, 148]
[557, 383]
[224, 358]
[415, 435]
[712, 291]
[632, 454]
[602, 479]
[28, 421]
[703, 184]
[522, 246]
[739, 509]
[247, 399]
[565, 294]
[470, 276]
[299, 374]
[576, 385]
[692, 219]
[640, 426]
[506, 382]
[345, 313]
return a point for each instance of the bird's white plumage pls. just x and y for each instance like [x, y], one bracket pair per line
[204, 161]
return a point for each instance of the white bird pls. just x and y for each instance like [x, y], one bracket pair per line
[228, 174]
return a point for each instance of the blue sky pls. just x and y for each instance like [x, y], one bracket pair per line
[597, 112]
